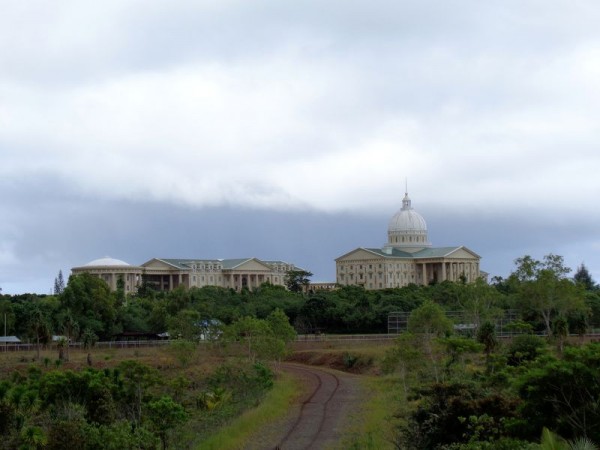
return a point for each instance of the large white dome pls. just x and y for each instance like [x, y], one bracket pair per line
[407, 221]
[407, 229]
[106, 261]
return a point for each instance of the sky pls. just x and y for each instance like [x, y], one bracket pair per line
[138, 129]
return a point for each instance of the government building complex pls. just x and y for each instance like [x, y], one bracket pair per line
[168, 274]
[408, 257]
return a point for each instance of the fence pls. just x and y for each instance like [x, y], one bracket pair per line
[463, 321]
[12, 347]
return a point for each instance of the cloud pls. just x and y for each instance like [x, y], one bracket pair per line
[319, 108]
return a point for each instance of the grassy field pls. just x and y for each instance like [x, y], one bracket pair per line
[242, 430]
[370, 429]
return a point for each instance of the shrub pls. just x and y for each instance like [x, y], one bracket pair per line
[523, 348]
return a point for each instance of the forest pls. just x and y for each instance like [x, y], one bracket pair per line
[542, 292]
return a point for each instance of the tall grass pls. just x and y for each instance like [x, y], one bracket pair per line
[237, 434]
[373, 427]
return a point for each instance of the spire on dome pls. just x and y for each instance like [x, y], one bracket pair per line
[406, 204]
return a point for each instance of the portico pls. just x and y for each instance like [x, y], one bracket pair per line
[406, 258]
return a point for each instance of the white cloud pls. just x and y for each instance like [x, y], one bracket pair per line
[323, 106]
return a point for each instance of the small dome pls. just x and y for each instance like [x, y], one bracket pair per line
[106, 261]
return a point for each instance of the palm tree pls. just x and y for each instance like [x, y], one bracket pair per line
[552, 441]
[38, 324]
[33, 438]
[70, 327]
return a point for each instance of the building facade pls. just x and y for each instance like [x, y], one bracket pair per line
[168, 274]
[406, 258]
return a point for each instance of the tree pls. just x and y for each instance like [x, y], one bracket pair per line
[70, 328]
[562, 394]
[137, 378]
[280, 325]
[258, 337]
[91, 303]
[456, 346]
[486, 335]
[59, 284]
[429, 321]
[404, 357]
[583, 277]
[544, 288]
[165, 414]
[39, 327]
[297, 280]
[480, 302]
[89, 338]
[186, 324]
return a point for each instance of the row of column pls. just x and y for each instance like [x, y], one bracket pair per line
[455, 269]
[252, 280]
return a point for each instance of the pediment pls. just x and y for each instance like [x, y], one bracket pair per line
[252, 265]
[360, 254]
[463, 253]
[159, 264]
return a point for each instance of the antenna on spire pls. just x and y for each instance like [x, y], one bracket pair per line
[406, 185]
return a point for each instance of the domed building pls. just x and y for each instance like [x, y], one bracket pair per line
[111, 270]
[164, 274]
[406, 258]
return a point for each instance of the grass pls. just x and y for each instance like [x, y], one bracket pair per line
[239, 432]
[372, 428]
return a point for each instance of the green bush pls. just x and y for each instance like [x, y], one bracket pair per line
[526, 347]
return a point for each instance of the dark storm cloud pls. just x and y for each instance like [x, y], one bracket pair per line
[286, 130]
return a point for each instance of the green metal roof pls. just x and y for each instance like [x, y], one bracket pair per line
[395, 253]
[186, 264]
[435, 252]
[424, 253]
[233, 263]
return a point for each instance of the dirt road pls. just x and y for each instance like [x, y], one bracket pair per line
[318, 418]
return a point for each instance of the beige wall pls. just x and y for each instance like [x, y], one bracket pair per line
[367, 269]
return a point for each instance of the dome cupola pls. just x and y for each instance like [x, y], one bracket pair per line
[407, 229]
